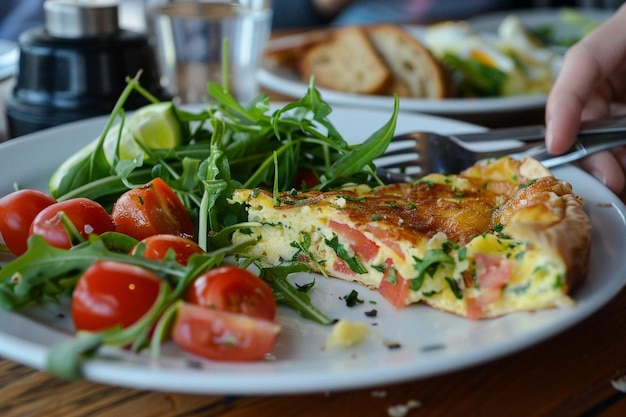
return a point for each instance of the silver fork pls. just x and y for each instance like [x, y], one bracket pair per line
[414, 155]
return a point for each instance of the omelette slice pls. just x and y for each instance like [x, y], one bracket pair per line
[500, 237]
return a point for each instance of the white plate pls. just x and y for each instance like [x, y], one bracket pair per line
[431, 342]
[286, 81]
[539, 18]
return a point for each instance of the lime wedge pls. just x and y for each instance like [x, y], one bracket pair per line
[156, 126]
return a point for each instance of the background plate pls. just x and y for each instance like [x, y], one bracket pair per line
[431, 342]
[286, 81]
[541, 18]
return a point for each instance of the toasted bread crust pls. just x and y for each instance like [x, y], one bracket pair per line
[411, 63]
[347, 62]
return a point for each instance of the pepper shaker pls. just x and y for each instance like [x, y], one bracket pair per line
[76, 66]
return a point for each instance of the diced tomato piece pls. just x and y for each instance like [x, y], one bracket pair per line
[395, 291]
[385, 237]
[342, 267]
[492, 272]
[359, 243]
[474, 310]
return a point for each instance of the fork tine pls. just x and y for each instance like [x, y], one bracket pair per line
[409, 150]
[404, 137]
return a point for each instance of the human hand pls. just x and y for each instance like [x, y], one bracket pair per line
[591, 85]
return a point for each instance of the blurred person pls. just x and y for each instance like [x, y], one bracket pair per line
[312, 13]
[592, 85]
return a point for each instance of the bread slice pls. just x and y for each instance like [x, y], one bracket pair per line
[348, 62]
[413, 66]
[288, 54]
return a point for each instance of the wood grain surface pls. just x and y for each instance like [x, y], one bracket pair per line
[570, 374]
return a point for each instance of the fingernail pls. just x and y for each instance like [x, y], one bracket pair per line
[599, 176]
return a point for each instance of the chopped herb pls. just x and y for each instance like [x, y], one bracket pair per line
[305, 288]
[432, 348]
[428, 265]
[353, 262]
[392, 276]
[372, 313]
[376, 217]
[392, 345]
[448, 246]
[411, 205]
[429, 183]
[558, 283]
[352, 299]
[528, 184]
[303, 248]
[519, 289]
[454, 286]
[349, 197]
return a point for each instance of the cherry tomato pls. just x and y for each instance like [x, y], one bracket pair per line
[87, 216]
[113, 293]
[17, 212]
[222, 335]
[305, 178]
[233, 289]
[151, 210]
[157, 246]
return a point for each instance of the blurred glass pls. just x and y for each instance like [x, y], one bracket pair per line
[189, 37]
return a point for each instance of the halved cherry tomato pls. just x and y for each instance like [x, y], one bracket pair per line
[113, 293]
[233, 289]
[151, 210]
[222, 335]
[157, 246]
[87, 216]
[17, 212]
[305, 178]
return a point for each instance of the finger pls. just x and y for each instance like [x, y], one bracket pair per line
[608, 168]
[590, 61]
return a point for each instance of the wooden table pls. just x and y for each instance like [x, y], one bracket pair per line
[567, 375]
[570, 374]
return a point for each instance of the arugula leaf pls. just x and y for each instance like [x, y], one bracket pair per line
[432, 259]
[353, 262]
[373, 147]
[285, 293]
